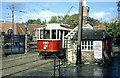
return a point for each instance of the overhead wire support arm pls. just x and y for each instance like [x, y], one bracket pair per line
[67, 14]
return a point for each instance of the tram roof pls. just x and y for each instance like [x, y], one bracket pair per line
[55, 26]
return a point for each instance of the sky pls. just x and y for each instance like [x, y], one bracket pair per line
[44, 10]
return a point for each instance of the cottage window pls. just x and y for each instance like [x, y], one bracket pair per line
[87, 45]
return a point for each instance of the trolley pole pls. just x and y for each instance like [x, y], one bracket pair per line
[78, 59]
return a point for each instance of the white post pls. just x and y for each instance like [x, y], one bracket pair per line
[63, 39]
[39, 34]
[86, 45]
[59, 34]
[26, 39]
[25, 43]
[50, 33]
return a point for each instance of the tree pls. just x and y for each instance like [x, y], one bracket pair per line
[38, 21]
[72, 20]
[31, 21]
[93, 21]
[53, 19]
[56, 19]
[118, 5]
[44, 22]
[113, 29]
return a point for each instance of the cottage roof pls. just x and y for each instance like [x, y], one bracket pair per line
[92, 34]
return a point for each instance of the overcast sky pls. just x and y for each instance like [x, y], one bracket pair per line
[30, 9]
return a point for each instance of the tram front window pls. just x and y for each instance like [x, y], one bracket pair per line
[45, 34]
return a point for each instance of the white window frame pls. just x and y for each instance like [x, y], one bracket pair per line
[85, 45]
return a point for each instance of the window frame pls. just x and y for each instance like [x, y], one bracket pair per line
[85, 44]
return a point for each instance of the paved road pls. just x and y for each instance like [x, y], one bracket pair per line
[111, 70]
[107, 71]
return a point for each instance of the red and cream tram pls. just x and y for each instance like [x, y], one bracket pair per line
[50, 39]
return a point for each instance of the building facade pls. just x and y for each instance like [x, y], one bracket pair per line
[18, 29]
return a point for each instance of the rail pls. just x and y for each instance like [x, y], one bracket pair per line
[57, 66]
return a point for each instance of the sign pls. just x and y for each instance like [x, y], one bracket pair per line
[97, 47]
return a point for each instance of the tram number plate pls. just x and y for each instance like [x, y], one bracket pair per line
[45, 42]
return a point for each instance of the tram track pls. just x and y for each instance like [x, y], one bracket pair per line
[7, 59]
[25, 67]
[16, 61]
[20, 64]
[16, 65]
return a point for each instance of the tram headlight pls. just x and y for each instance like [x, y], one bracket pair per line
[45, 47]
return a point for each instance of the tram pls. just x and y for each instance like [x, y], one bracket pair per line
[50, 40]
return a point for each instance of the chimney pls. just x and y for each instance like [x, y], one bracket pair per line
[85, 13]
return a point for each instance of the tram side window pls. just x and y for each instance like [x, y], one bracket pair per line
[53, 34]
[37, 34]
[61, 34]
[58, 34]
[47, 34]
[41, 34]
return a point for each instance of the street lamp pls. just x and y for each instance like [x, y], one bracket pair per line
[26, 40]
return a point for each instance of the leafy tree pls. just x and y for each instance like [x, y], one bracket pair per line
[93, 21]
[53, 19]
[31, 21]
[72, 20]
[44, 22]
[118, 5]
[113, 29]
[56, 19]
[38, 21]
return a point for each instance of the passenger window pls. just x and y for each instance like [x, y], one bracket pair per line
[45, 34]
[53, 34]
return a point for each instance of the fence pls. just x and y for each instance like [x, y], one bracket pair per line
[13, 44]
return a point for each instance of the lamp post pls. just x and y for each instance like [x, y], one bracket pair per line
[13, 17]
[26, 39]
[78, 59]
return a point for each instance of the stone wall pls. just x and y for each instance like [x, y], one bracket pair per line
[87, 56]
